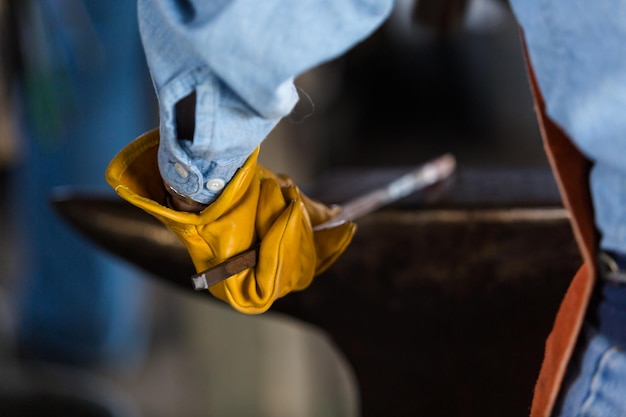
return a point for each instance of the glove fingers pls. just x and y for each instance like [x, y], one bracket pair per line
[319, 212]
[287, 255]
[286, 263]
[271, 205]
[331, 243]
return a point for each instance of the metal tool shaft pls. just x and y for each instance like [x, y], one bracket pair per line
[426, 175]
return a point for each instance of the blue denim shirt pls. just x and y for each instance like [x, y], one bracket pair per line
[578, 52]
[240, 57]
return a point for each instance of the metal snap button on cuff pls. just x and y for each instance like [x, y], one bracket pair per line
[181, 171]
[215, 184]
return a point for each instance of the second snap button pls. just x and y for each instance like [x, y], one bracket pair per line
[215, 184]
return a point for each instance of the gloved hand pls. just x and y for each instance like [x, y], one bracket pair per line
[257, 206]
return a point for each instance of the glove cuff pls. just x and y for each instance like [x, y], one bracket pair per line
[134, 175]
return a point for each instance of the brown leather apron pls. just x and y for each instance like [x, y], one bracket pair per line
[571, 170]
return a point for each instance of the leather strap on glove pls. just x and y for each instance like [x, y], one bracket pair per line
[257, 207]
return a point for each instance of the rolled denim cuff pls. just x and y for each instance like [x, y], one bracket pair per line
[226, 132]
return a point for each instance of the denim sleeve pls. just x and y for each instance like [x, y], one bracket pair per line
[240, 58]
[578, 52]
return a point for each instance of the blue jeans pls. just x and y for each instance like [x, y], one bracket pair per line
[594, 385]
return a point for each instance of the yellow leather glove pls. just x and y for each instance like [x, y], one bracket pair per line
[256, 206]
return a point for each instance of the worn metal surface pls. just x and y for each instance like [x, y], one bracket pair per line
[127, 232]
[445, 312]
[442, 303]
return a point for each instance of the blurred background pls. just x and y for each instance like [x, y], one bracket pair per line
[85, 333]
